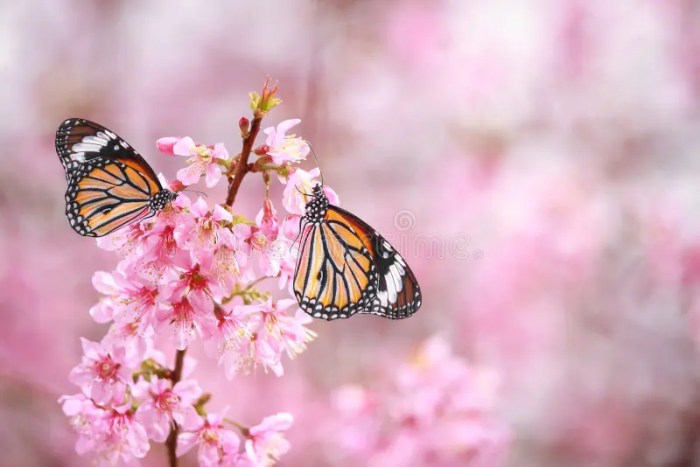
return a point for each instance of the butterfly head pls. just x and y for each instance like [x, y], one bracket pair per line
[317, 207]
[161, 199]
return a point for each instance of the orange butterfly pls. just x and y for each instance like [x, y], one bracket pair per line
[109, 184]
[346, 267]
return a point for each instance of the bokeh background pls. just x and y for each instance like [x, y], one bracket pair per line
[535, 161]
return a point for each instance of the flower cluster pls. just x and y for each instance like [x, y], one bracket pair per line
[192, 273]
[435, 410]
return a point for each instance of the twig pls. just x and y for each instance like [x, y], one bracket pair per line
[266, 102]
[171, 442]
[241, 168]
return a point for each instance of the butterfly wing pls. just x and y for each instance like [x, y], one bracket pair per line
[335, 277]
[109, 183]
[339, 274]
[397, 292]
[104, 195]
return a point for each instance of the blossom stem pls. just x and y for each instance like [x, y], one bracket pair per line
[235, 175]
[171, 442]
[245, 431]
[241, 167]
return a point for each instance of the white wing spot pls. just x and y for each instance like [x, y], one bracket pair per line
[382, 296]
[78, 156]
[86, 147]
[98, 140]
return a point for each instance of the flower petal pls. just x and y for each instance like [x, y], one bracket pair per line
[185, 147]
[166, 144]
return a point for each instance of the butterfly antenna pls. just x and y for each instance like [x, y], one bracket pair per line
[197, 191]
[313, 153]
[296, 187]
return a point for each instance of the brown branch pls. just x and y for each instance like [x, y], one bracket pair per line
[171, 442]
[235, 175]
[241, 168]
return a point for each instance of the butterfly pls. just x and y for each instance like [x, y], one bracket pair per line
[345, 267]
[109, 184]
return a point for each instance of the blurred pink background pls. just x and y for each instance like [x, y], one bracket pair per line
[535, 161]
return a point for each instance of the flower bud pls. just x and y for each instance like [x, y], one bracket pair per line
[262, 104]
[176, 185]
[244, 125]
[262, 150]
[165, 145]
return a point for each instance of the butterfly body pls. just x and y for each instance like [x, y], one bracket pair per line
[109, 184]
[345, 267]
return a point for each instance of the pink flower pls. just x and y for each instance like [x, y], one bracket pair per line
[200, 229]
[186, 272]
[103, 372]
[262, 237]
[245, 354]
[157, 248]
[125, 239]
[216, 443]
[162, 404]
[187, 319]
[288, 331]
[133, 298]
[434, 408]
[298, 191]
[274, 333]
[112, 433]
[124, 437]
[266, 443]
[194, 280]
[231, 328]
[283, 147]
[136, 338]
[202, 160]
[210, 238]
[287, 249]
[86, 418]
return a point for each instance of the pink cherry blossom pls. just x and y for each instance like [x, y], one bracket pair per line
[274, 331]
[298, 191]
[214, 440]
[201, 229]
[125, 239]
[112, 433]
[265, 442]
[136, 338]
[104, 371]
[285, 148]
[262, 238]
[86, 418]
[239, 347]
[202, 160]
[187, 274]
[124, 436]
[435, 409]
[187, 320]
[286, 249]
[162, 404]
[133, 298]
